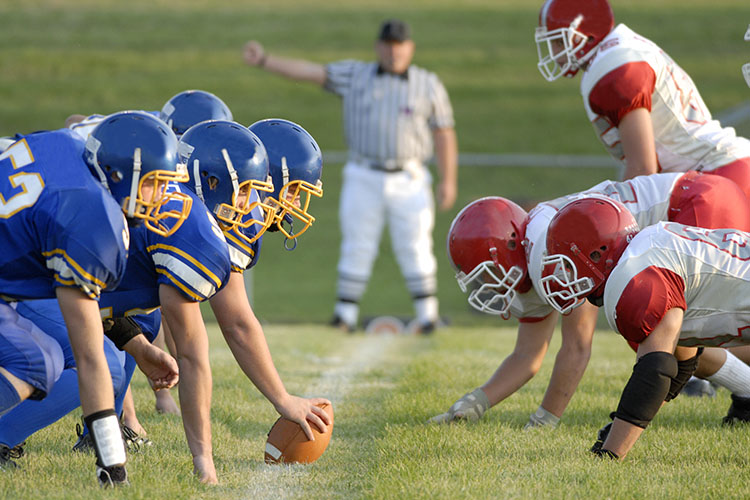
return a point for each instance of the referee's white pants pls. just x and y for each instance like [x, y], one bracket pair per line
[404, 199]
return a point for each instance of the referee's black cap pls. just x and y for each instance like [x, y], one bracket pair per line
[394, 30]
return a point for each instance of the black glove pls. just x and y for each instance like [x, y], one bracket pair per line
[602, 453]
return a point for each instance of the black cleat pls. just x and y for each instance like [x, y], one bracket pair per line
[133, 442]
[7, 454]
[84, 444]
[427, 328]
[342, 325]
[697, 388]
[116, 475]
[739, 411]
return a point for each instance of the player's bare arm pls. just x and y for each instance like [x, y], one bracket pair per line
[86, 338]
[244, 335]
[637, 405]
[255, 54]
[191, 339]
[446, 153]
[517, 368]
[159, 366]
[637, 136]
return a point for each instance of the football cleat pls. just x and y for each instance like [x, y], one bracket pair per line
[133, 441]
[7, 454]
[84, 443]
[696, 388]
[116, 475]
[739, 411]
[342, 325]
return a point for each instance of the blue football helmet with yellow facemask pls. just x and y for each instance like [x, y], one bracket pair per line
[226, 162]
[134, 154]
[296, 165]
[190, 107]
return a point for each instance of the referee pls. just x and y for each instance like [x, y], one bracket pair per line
[396, 115]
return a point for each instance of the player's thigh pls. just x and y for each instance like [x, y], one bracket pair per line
[27, 352]
[47, 316]
[362, 204]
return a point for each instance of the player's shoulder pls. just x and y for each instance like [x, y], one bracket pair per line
[619, 49]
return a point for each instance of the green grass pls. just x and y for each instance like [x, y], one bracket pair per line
[83, 56]
[383, 390]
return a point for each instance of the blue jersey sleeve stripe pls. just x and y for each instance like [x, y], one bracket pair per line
[179, 285]
[238, 243]
[55, 255]
[185, 274]
[189, 258]
[239, 259]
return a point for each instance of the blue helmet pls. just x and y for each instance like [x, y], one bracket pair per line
[226, 162]
[134, 155]
[190, 107]
[296, 165]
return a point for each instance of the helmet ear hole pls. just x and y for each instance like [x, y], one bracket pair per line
[511, 245]
[114, 175]
[595, 256]
[212, 182]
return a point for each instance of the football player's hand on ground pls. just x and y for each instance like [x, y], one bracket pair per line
[304, 412]
[204, 468]
[471, 406]
[542, 418]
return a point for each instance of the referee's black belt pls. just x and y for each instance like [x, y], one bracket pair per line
[387, 166]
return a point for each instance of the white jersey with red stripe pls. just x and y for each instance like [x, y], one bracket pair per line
[628, 72]
[704, 272]
[647, 197]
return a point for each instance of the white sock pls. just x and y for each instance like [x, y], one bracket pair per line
[733, 375]
[426, 310]
[347, 311]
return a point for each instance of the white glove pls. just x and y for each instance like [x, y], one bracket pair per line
[471, 406]
[542, 418]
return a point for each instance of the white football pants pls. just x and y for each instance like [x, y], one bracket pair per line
[369, 199]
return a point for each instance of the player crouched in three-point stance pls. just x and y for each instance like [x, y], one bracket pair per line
[229, 171]
[497, 250]
[669, 288]
[63, 235]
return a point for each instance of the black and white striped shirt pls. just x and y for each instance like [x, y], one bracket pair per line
[386, 116]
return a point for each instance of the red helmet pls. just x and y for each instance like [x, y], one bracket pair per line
[570, 30]
[585, 240]
[485, 246]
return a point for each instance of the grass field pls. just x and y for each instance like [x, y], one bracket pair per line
[69, 56]
[59, 57]
[383, 389]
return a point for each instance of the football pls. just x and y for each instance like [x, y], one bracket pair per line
[287, 442]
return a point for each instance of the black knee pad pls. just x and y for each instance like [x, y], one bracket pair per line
[647, 388]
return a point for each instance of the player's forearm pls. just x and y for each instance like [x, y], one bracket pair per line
[250, 349]
[570, 365]
[510, 376]
[86, 335]
[295, 69]
[195, 398]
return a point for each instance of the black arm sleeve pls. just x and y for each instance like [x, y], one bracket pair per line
[647, 388]
[121, 330]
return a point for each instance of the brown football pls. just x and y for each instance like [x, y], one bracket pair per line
[287, 442]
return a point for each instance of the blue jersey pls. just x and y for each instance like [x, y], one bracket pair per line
[194, 260]
[244, 255]
[58, 225]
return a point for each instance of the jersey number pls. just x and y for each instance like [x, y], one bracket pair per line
[22, 189]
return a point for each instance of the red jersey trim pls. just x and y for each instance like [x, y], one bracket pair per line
[646, 299]
[622, 90]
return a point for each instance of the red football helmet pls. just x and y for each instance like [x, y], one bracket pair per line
[585, 240]
[570, 30]
[485, 246]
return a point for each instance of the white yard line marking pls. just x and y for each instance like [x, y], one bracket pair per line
[336, 383]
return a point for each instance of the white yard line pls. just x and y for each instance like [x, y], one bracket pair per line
[336, 384]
